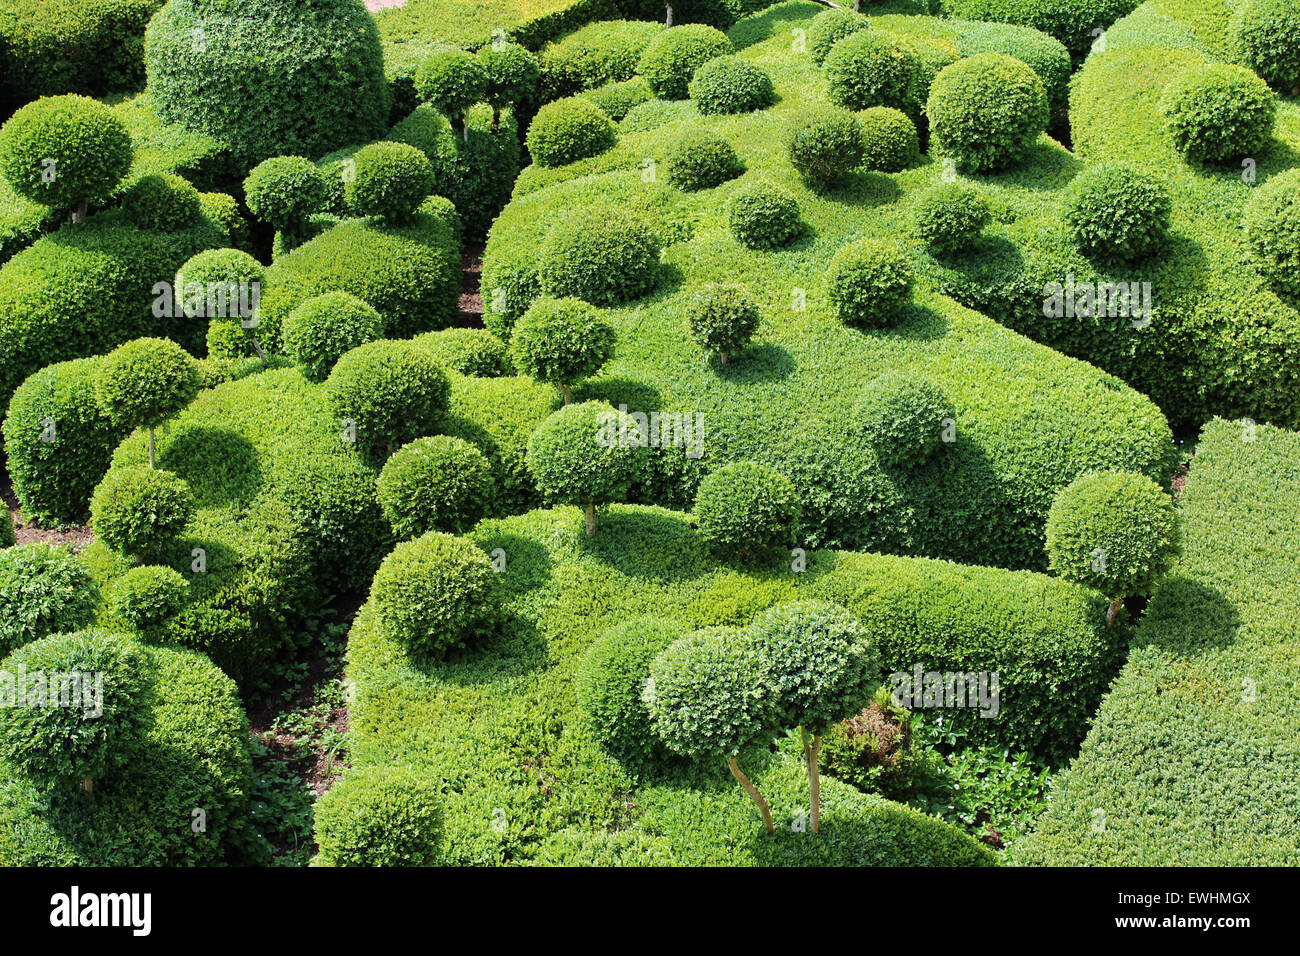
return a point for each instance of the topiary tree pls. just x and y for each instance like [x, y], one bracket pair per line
[452, 81]
[670, 59]
[561, 341]
[65, 151]
[144, 382]
[764, 216]
[391, 181]
[870, 68]
[379, 816]
[511, 76]
[706, 699]
[83, 713]
[567, 130]
[747, 508]
[902, 418]
[387, 393]
[223, 286]
[601, 255]
[579, 455]
[868, 282]
[701, 160]
[826, 147]
[1265, 36]
[890, 142]
[1118, 211]
[165, 203]
[986, 111]
[43, 590]
[1115, 531]
[1218, 112]
[286, 191]
[140, 511]
[1272, 223]
[434, 593]
[147, 596]
[437, 483]
[610, 684]
[722, 319]
[950, 216]
[831, 26]
[322, 329]
[819, 666]
[728, 84]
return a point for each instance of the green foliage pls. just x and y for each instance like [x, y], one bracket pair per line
[574, 458]
[598, 54]
[475, 352]
[829, 27]
[826, 147]
[452, 81]
[43, 590]
[870, 68]
[1218, 112]
[437, 483]
[144, 382]
[162, 202]
[722, 319]
[701, 160]
[139, 511]
[986, 110]
[568, 130]
[64, 150]
[762, 215]
[147, 596]
[604, 256]
[286, 191]
[619, 99]
[747, 508]
[728, 84]
[1114, 531]
[381, 817]
[561, 341]
[1272, 226]
[868, 282]
[1118, 211]
[391, 181]
[225, 287]
[511, 73]
[1073, 22]
[1264, 35]
[604, 848]
[949, 217]
[889, 140]
[672, 56]
[902, 418]
[1044, 54]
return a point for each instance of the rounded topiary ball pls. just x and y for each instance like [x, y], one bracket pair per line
[762, 215]
[603, 256]
[391, 181]
[322, 329]
[611, 681]
[1218, 112]
[902, 418]
[437, 483]
[269, 77]
[670, 60]
[826, 147]
[379, 816]
[1116, 531]
[869, 68]
[986, 111]
[162, 202]
[434, 593]
[869, 281]
[286, 190]
[43, 590]
[387, 393]
[1118, 211]
[145, 597]
[64, 150]
[722, 319]
[511, 73]
[701, 160]
[747, 507]
[568, 130]
[144, 381]
[949, 217]
[830, 27]
[561, 341]
[1272, 222]
[474, 352]
[225, 287]
[890, 142]
[728, 84]
[1265, 36]
[139, 511]
[452, 81]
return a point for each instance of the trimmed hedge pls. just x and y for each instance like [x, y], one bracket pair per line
[829, 27]
[599, 53]
[870, 68]
[382, 817]
[139, 512]
[1074, 22]
[747, 508]
[568, 130]
[827, 147]
[702, 161]
[728, 84]
[437, 483]
[890, 142]
[670, 59]
[43, 590]
[1264, 35]
[64, 150]
[475, 352]
[986, 111]
[324, 328]
[1218, 112]
[1272, 226]
[1118, 211]
[604, 256]
[763, 216]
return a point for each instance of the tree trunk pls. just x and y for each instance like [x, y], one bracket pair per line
[496, 116]
[567, 392]
[88, 785]
[590, 509]
[815, 783]
[668, 21]
[260, 353]
[753, 792]
[722, 358]
[79, 214]
[465, 126]
[151, 456]
[1113, 611]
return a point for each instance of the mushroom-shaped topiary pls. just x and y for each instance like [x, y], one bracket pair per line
[438, 483]
[670, 60]
[568, 130]
[139, 512]
[747, 508]
[44, 590]
[722, 319]
[1118, 211]
[391, 181]
[902, 418]
[1218, 112]
[511, 73]
[225, 287]
[826, 146]
[986, 111]
[144, 382]
[147, 596]
[561, 341]
[701, 160]
[164, 203]
[869, 281]
[286, 191]
[379, 816]
[322, 329]
[452, 81]
[1272, 222]
[950, 216]
[764, 216]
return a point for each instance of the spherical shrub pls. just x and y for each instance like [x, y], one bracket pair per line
[437, 483]
[762, 215]
[619, 99]
[1265, 36]
[145, 381]
[379, 816]
[285, 191]
[511, 74]
[722, 319]
[728, 84]
[139, 511]
[1218, 112]
[387, 393]
[986, 111]
[391, 181]
[561, 341]
[1272, 222]
[452, 81]
[701, 160]
[670, 60]
[64, 150]
[269, 77]
[162, 202]
[474, 352]
[43, 590]
[1115, 531]
[870, 68]
[949, 217]
[568, 130]
[610, 683]
[826, 147]
[434, 593]
[746, 507]
[145, 597]
[225, 287]
[57, 745]
[1118, 211]
[868, 282]
[601, 255]
[889, 140]
[902, 418]
[324, 328]
[830, 27]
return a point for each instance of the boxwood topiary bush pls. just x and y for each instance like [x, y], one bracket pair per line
[164, 203]
[567, 130]
[438, 483]
[986, 110]
[286, 191]
[1044, 54]
[1074, 22]
[671, 57]
[1118, 211]
[1272, 226]
[702, 161]
[870, 68]
[748, 509]
[139, 512]
[618, 99]
[146, 596]
[762, 215]
[1218, 112]
[826, 147]
[1264, 35]
[390, 181]
[599, 53]
[829, 27]
[378, 817]
[475, 352]
[903, 418]
[323, 329]
[561, 341]
[868, 282]
[604, 256]
[722, 319]
[43, 590]
[727, 84]
[949, 217]
[889, 140]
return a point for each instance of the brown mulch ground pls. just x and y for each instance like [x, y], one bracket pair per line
[471, 296]
[75, 538]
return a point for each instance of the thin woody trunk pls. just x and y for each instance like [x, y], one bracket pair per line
[668, 21]
[1113, 611]
[260, 353]
[88, 785]
[815, 783]
[567, 392]
[753, 792]
[722, 358]
[496, 116]
[81, 211]
[151, 457]
[590, 510]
